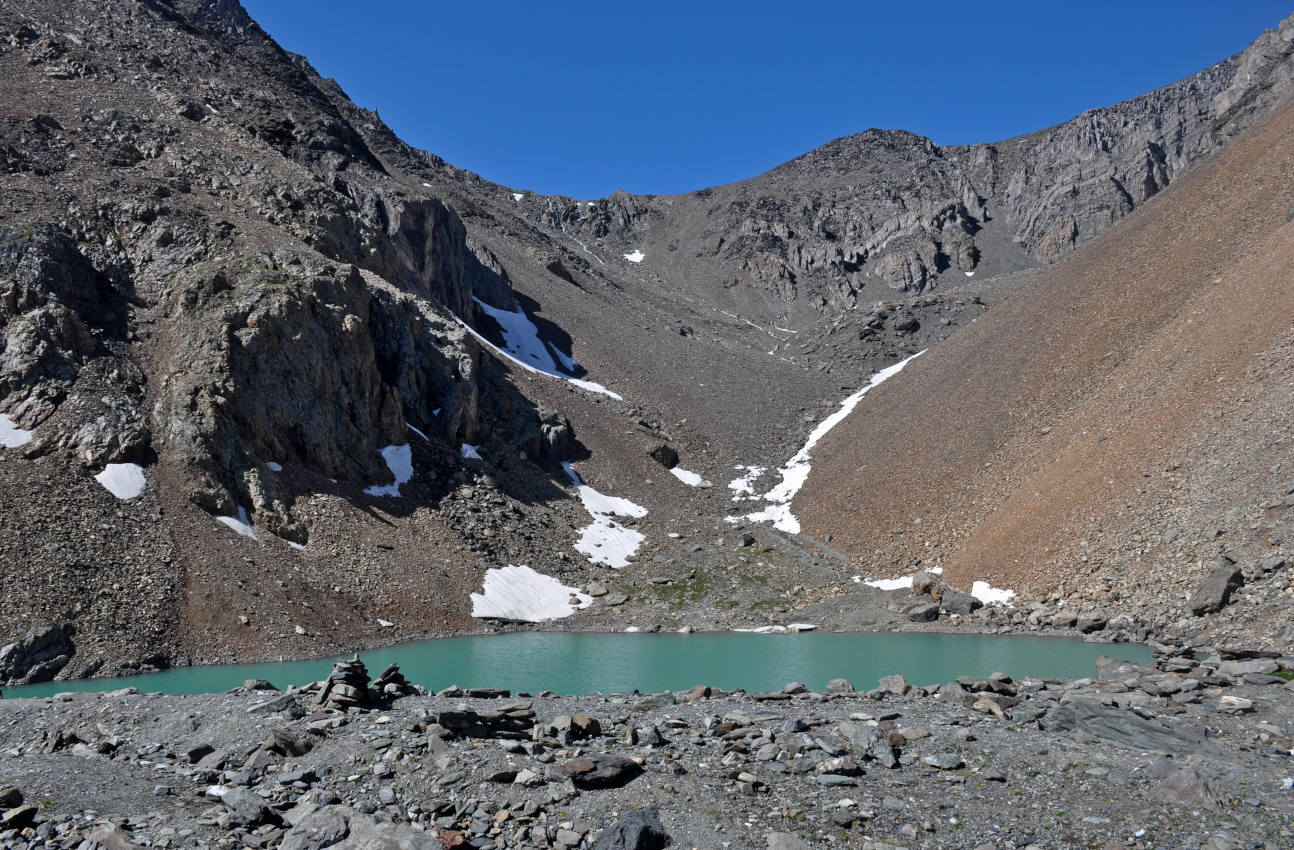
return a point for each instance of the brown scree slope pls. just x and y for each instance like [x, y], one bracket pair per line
[1135, 393]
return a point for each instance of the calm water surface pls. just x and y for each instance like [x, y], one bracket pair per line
[620, 663]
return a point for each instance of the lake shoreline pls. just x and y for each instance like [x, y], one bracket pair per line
[1118, 757]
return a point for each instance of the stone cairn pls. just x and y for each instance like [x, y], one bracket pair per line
[348, 685]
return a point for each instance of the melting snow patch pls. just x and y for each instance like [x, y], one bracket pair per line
[970, 274]
[469, 452]
[606, 541]
[796, 471]
[636, 257]
[386, 624]
[274, 467]
[894, 583]
[691, 479]
[399, 459]
[890, 583]
[517, 196]
[123, 480]
[419, 433]
[520, 593]
[295, 545]
[428, 185]
[990, 595]
[522, 345]
[240, 523]
[744, 487]
[11, 436]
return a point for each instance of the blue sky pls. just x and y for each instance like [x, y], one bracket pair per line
[583, 98]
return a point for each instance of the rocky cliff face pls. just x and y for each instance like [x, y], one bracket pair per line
[888, 209]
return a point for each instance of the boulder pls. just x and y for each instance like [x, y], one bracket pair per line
[956, 602]
[664, 454]
[1214, 593]
[247, 808]
[638, 830]
[601, 771]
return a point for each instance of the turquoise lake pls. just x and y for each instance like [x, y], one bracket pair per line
[622, 663]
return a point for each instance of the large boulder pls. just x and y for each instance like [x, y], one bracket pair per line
[1214, 593]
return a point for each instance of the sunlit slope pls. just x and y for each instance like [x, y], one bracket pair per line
[1111, 427]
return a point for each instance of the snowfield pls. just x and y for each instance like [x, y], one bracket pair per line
[606, 541]
[796, 471]
[523, 346]
[123, 480]
[636, 256]
[520, 593]
[399, 459]
[11, 436]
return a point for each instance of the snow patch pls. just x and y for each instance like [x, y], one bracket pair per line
[970, 274]
[895, 583]
[522, 345]
[469, 452]
[520, 593]
[743, 488]
[11, 436]
[796, 471]
[274, 467]
[300, 547]
[386, 624]
[240, 523]
[416, 431]
[123, 480]
[399, 459]
[990, 595]
[636, 256]
[691, 479]
[428, 185]
[606, 541]
[517, 196]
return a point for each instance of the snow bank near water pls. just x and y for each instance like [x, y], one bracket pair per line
[523, 346]
[123, 480]
[399, 459]
[520, 593]
[981, 590]
[990, 595]
[796, 471]
[11, 436]
[606, 541]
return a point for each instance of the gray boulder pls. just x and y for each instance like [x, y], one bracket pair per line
[1214, 593]
[638, 830]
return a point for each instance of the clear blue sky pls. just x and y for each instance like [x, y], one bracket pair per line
[583, 98]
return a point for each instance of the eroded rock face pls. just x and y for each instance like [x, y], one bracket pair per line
[302, 361]
[62, 349]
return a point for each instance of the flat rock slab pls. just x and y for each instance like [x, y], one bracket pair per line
[1088, 716]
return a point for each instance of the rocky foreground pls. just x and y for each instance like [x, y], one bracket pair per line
[1184, 752]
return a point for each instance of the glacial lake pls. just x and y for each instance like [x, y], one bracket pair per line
[621, 663]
